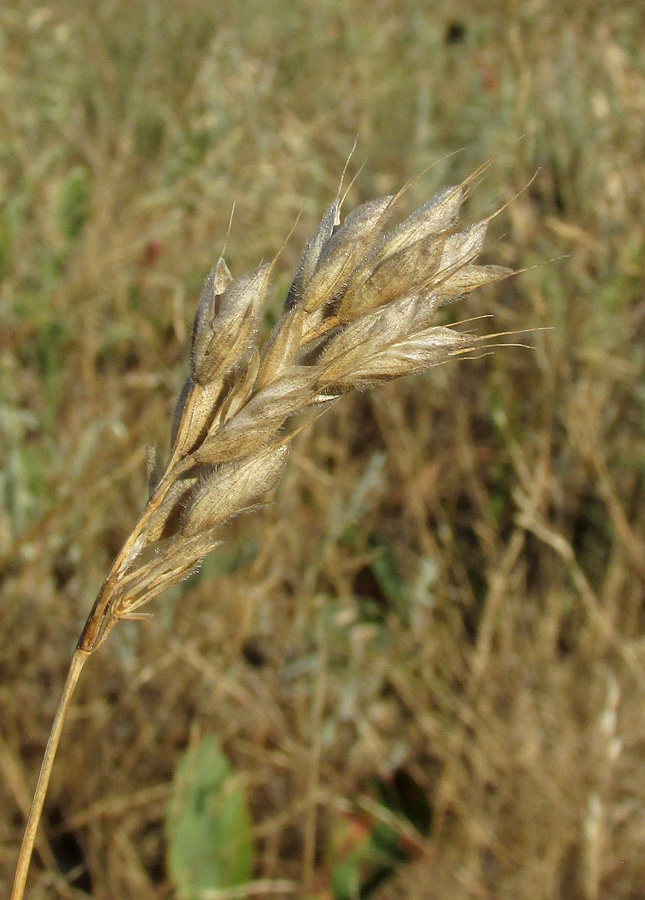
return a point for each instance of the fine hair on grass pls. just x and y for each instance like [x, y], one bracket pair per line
[359, 312]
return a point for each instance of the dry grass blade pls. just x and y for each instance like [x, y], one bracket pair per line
[368, 297]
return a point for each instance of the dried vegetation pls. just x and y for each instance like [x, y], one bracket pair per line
[439, 621]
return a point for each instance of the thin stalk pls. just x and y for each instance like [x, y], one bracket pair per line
[97, 626]
[78, 661]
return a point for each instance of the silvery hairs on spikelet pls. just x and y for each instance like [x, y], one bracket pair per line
[358, 313]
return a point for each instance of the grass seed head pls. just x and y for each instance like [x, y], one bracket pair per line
[359, 312]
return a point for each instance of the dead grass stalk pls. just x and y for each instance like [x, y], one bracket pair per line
[359, 312]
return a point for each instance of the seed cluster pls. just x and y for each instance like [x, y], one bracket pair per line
[358, 313]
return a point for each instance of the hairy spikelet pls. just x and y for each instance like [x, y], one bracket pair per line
[409, 256]
[231, 488]
[343, 252]
[311, 254]
[359, 312]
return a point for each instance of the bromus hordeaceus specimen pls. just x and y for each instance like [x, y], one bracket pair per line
[359, 313]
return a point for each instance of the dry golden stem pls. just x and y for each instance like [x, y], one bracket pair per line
[78, 661]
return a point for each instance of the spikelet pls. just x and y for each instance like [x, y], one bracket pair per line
[311, 254]
[231, 488]
[343, 252]
[408, 256]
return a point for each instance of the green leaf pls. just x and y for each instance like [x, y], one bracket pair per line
[362, 856]
[208, 824]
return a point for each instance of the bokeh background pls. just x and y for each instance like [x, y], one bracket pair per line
[425, 659]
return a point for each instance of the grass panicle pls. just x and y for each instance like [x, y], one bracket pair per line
[359, 312]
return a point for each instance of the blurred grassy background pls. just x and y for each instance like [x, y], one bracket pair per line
[439, 625]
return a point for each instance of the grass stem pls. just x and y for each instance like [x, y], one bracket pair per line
[35, 812]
